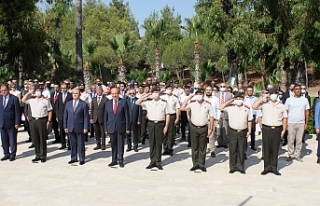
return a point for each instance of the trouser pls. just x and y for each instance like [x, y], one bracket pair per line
[117, 146]
[222, 134]
[271, 137]
[9, 140]
[252, 135]
[63, 134]
[198, 144]
[169, 138]
[92, 130]
[144, 123]
[318, 149]
[77, 143]
[55, 126]
[212, 145]
[184, 123]
[30, 129]
[27, 125]
[133, 137]
[237, 145]
[100, 133]
[295, 132]
[156, 138]
[39, 134]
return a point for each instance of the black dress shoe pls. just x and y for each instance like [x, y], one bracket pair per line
[318, 161]
[194, 168]
[112, 164]
[97, 147]
[232, 171]
[219, 146]
[43, 160]
[135, 149]
[81, 163]
[62, 147]
[171, 153]
[31, 146]
[5, 158]
[213, 154]
[29, 140]
[36, 159]
[69, 148]
[203, 169]
[182, 139]
[189, 145]
[12, 159]
[150, 166]
[165, 153]
[276, 173]
[159, 167]
[264, 172]
[253, 148]
[245, 157]
[128, 150]
[56, 142]
[225, 146]
[72, 161]
[242, 171]
[121, 165]
[284, 143]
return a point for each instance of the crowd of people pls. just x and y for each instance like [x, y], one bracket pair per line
[131, 113]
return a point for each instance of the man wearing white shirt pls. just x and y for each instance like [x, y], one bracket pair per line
[185, 116]
[214, 101]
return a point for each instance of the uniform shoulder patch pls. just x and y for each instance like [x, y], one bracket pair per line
[208, 102]
[175, 95]
[163, 100]
[192, 101]
[232, 105]
[145, 100]
[246, 106]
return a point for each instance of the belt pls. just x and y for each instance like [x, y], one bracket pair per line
[172, 114]
[37, 118]
[199, 126]
[156, 122]
[239, 130]
[272, 127]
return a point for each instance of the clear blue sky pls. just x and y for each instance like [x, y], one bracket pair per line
[141, 9]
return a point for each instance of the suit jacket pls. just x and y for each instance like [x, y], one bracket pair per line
[77, 120]
[52, 102]
[119, 122]
[97, 111]
[134, 111]
[60, 105]
[10, 115]
[315, 100]
[286, 95]
[227, 97]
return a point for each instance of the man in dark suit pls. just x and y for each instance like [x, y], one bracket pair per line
[117, 124]
[76, 124]
[63, 97]
[315, 100]
[97, 118]
[9, 122]
[135, 120]
[55, 124]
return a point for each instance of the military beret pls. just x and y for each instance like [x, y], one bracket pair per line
[199, 91]
[239, 94]
[170, 82]
[81, 84]
[168, 85]
[176, 82]
[272, 91]
[156, 89]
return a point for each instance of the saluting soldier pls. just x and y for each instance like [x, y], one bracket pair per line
[240, 118]
[199, 129]
[174, 110]
[144, 118]
[158, 123]
[41, 111]
[274, 121]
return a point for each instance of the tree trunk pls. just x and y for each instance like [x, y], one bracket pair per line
[158, 62]
[300, 70]
[283, 70]
[307, 79]
[263, 82]
[87, 75]
[122, 71]
[20, 69]
[232, 66]
[79, 56]
[197, 61]
[240, 79]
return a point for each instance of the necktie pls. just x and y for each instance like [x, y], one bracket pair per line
[55, 98]
[115, 106]
[74, 105]
[64, 97]
[4, 102]
[99, 100]
[132, 102]
[222, 98]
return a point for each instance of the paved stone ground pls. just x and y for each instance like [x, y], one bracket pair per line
[57, 183]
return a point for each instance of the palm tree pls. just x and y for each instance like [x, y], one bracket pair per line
[79, 58]
[156, 30]
[88, 48]
[120, 44]
[193, 27]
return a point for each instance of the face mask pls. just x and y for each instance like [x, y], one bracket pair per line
[168, 91]
[155, 95]
[303, 91]
[223, 89]
[273, 97]
[37, 94]
[199, 97]
[238, 102]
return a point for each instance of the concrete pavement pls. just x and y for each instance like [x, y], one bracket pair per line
[57, 183]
